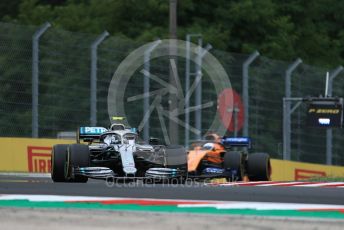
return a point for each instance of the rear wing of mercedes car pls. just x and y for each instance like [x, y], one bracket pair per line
[88, 134]
[230, 142]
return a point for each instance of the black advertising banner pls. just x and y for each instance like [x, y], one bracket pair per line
[325, 114]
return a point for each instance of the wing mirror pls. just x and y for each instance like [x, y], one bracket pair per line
[153, 141]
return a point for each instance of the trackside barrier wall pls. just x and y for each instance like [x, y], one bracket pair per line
[27, 155]
[291, 170]
[33, 155]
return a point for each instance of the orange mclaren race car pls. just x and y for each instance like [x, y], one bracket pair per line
[228, 158]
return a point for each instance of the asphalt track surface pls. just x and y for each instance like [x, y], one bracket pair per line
[195, 191]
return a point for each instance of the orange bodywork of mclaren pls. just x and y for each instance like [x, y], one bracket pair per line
[198, 154]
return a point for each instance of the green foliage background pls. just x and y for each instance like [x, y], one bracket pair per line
[312, 30]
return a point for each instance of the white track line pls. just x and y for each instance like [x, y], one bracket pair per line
[267, 206]
[286, 184]
[323, 184]
[253, 183]
[283, 184]
[18, 174]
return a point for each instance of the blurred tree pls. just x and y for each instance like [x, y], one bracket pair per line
[284, 30]
[9, 8]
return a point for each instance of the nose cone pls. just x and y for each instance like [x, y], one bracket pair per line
[129, 170]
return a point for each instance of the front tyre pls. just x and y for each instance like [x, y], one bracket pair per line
[78, 156]
[176, 157]
[58, 161]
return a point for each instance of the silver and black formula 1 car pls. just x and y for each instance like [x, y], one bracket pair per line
[116, 153]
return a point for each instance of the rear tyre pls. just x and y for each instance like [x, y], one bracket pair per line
[78, 155]
[176, 157]
[58, 161]
[259, 167]
[233, 161]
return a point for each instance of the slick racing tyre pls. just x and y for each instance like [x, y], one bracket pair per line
[233, 162]
[259, 167]
[78, 155]
[176, 157]
[58, 161]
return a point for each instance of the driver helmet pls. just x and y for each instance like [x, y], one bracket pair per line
[213, 137]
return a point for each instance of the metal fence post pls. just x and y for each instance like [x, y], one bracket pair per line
[35, 76]
[284, 129]
[198, 91]
[93, 80]
[329, 134]
[146, 86]
[286, 111]
[187, 85]
[245, 93]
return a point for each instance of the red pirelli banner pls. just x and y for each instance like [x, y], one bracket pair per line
[39, 159]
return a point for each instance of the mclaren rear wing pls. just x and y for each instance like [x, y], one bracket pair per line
[230, 142]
